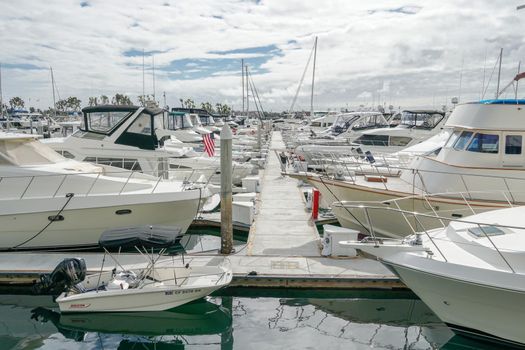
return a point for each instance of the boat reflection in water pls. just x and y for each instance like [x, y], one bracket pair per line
[162, 328]
[382, 320]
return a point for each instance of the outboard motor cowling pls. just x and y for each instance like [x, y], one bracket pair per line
[68, 273]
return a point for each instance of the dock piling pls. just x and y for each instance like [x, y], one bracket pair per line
[226, 190]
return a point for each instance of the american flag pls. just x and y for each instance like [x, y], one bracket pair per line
[209, 144]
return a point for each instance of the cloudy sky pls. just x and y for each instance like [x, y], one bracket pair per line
[402, 53]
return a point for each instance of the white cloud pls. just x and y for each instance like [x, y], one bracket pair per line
[392, 50]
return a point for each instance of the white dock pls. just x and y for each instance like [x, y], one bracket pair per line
[282, 226]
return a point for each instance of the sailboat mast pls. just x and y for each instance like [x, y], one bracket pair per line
[153, 72]
[313, 81]
[143, 80]
[242, 83]
[499, 71]
[247, 94]
[1, 94]
[517, 81]
[53, 87]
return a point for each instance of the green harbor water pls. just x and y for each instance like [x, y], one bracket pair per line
[237, 318]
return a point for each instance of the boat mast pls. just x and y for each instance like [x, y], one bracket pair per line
[53, 87]
[516, 93]
[247, 94]
[499, 71]
[143, 81]
[242, 84]
[313, 81]
[1, 94]
[153, 71]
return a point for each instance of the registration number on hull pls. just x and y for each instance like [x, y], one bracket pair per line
[187, 291]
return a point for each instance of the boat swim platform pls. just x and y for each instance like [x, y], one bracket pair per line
[283, 248]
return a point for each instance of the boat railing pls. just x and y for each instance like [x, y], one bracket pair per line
[348, 165]
[56, 185]
[416, 230]
[508, 186]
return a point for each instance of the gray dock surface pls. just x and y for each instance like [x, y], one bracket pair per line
[282, 226]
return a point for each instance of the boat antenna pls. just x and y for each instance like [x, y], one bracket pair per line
[313, 81]
[153, 72]
[242, 84]
[499, 71]
[164, 96]
[53, 87]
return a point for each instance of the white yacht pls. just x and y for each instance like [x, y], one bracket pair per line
[339, 137]
[479, 167]
[471, 272]
[139, 138]
[50, 202]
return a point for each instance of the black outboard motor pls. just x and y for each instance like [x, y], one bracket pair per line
[68, 273]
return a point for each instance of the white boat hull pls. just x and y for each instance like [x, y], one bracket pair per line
[163, 288]
[469, 308]
[133, 300]
[82, 225]
[391, 223]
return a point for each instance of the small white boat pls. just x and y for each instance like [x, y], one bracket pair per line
[151, 287]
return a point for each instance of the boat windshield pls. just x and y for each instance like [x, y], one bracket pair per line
[27, 152]
[179, 121]
[420, 120]
[195, 119]
[105, 122]
[206, 120]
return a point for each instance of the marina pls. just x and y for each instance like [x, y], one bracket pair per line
[262, 175]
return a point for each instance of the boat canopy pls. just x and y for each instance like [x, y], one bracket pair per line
[502, 102]
[140, 236]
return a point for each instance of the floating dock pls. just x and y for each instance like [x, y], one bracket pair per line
[283, 248]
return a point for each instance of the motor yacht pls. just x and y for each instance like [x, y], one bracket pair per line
[50, 202]
[470, 272]
[477, 168]
[141, 139]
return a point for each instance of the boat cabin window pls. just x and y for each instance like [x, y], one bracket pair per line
[462, 140]
[484, 143]
[452, 139]
[420, 120]
[141, 125]
[373, 140]
[513, 144]
[104, 122]
[179, 121]
[27, 152]
[399, 140]
[139, 133]
[484, 231]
